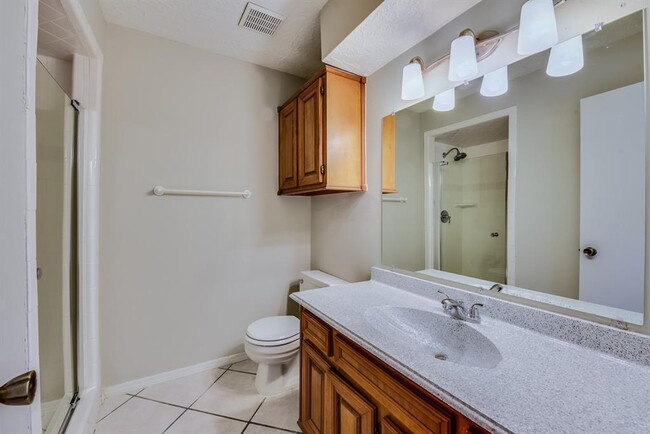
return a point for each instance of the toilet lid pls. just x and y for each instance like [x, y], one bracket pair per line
[274, 328]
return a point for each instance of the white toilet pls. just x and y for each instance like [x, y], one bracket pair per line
[274, 342]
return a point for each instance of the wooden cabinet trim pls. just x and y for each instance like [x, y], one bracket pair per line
[312, 405]
[340, 397]
[316, 332]
[416, 414]
[288, 158]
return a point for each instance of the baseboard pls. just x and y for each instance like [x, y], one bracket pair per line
[135, 385]
[48, 409]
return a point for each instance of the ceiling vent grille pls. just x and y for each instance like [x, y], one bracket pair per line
[260, 19]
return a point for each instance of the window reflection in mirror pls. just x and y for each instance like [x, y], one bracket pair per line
[540, 190]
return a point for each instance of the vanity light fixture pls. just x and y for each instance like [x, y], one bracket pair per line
[537, 27]
[412, 81]
[445, 101]
[495, 83]
[566, 58]
[463, 64]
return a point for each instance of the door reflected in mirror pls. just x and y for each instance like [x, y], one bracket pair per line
[538, 193]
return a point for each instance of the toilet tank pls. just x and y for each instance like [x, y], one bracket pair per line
[313, 279]
[310, 279]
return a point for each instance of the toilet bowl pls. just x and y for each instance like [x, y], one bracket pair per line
[274, 342]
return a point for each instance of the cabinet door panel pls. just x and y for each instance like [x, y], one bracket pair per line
[347, 412]
[310, 135]
[312, 390]
[390, 427]
[288, 130]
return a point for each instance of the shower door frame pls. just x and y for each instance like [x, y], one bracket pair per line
[432, 189]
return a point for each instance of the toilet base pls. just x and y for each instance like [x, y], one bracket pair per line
[277, 378]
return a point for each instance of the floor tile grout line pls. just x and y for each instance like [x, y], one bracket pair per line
[274, 427]
[174, 421]
[113, 411]
[254, 413]
[161, 402]
[217, 415]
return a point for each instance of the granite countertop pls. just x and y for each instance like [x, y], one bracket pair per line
[542, 384]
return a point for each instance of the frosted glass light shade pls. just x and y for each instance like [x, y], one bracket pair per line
[495, 83]
[445, 101]
[566, 58]
[537, 27]
[412, 82]
[462, 59]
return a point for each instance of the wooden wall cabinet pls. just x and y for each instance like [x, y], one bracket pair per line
[346, 390]
[321, 136]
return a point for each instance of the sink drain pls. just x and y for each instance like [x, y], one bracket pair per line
[441, 356]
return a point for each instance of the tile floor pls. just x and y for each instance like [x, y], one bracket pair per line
[222, 400]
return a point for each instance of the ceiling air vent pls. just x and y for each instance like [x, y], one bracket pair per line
[260, 19]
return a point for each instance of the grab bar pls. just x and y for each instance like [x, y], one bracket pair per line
[159, 190]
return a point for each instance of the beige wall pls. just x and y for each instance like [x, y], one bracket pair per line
[182, 277]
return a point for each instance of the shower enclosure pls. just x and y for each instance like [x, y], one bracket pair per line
[56, 250]
[472, 210]
[466, 190]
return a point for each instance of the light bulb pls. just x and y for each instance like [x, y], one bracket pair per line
[412, 82]
[495, 83]
[537, 27]
[445, 101]
[462, 59]
[566, 58]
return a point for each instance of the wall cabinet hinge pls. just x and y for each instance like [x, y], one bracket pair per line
[322, 90]
[322, 169]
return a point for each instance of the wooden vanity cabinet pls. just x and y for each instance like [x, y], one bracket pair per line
[346, 390]
[321, 136]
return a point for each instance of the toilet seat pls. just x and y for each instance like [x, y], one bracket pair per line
[273, 331]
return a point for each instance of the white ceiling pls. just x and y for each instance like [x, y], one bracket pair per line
[391, 29]
[212, 25]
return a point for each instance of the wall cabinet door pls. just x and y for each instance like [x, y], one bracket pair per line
[310, 135]
[288, 147]
[347, 411]
[312, 390]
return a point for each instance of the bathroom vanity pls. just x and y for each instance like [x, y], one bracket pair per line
[345, 389]
[383, 356]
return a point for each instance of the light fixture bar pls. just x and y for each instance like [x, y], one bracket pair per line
[480, 43]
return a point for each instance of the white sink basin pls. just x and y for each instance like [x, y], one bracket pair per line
[448, 340]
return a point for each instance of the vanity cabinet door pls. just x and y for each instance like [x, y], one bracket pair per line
[289, 147]
[310, 135]
[389, 427]
[347, 411]
[312, 390]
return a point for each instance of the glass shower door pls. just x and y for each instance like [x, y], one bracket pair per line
[56, 229]
[472, 220]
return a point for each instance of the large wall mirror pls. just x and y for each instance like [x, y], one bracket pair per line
[538, 193]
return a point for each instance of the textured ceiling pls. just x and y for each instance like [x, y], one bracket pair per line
[56, 36]
[391, 29]
[212, 25]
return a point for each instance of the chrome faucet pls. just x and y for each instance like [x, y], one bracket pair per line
[456, 309]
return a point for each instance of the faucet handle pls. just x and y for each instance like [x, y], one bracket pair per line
[443, 293]
[474, 312]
